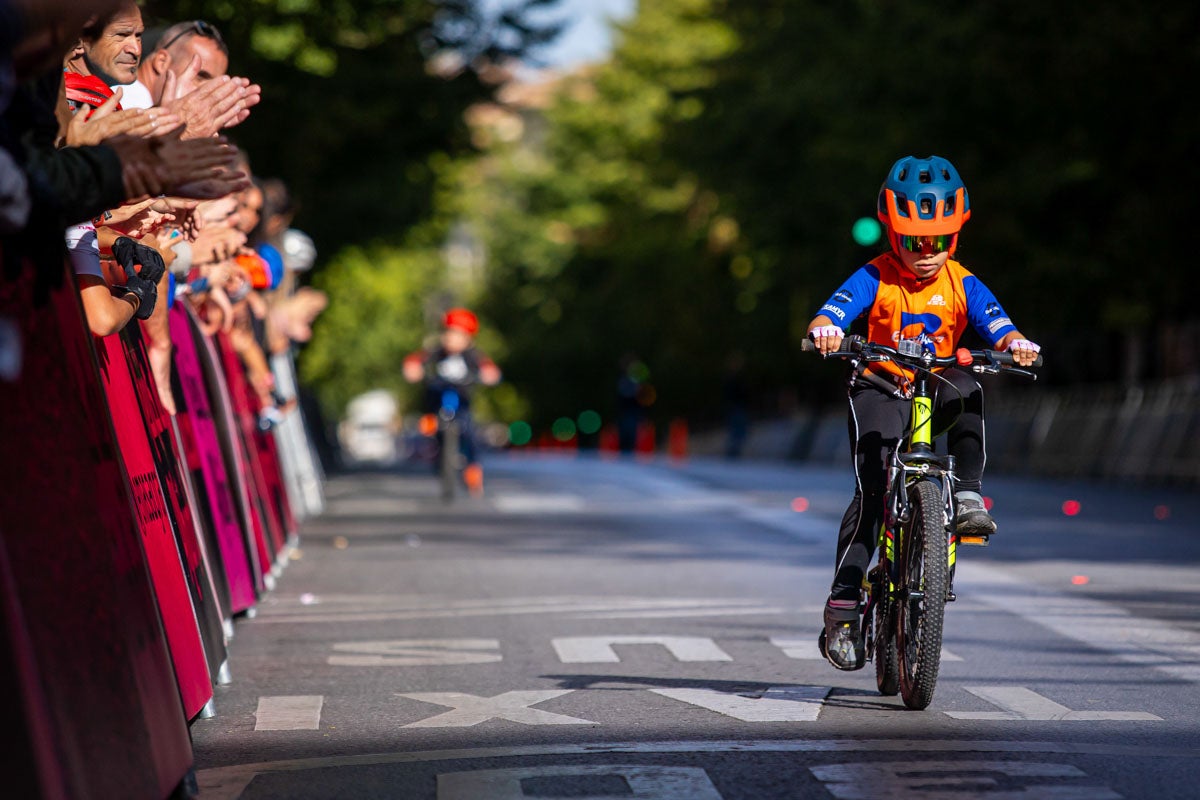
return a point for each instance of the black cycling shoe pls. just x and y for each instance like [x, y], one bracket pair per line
[972, 518]
[841, 641]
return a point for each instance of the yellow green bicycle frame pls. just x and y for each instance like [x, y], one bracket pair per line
[922, 421]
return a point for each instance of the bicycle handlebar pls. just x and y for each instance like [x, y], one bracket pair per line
[979, 360]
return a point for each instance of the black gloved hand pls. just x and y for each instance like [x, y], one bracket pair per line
[144, 284]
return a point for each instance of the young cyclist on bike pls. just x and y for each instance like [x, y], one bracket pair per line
[455, 364]
[916, 290]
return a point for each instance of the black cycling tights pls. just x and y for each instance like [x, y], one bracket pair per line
[877, 422]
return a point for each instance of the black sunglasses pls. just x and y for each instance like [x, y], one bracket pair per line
[200, 28]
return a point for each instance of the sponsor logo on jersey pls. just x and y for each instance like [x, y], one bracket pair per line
[930, 325]
[936, 300]
[832, 309]
[992, 310]
[844, 296]
[997, 324]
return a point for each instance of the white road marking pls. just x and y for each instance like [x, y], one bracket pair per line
[228, 783]
[598, 649]
[777, 704]
[471, 709]
[1024, 704]
[1098, 625]
[538, 503]
[416, 652]
[371, 506]
[807, 649]
[289, 713]
[373, 608]
[633, 781]
[684, 612]
[954, 780]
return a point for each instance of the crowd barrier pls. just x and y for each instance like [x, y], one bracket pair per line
[130, 539]
[1142, 434]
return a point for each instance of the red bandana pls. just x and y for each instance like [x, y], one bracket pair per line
[86, 90]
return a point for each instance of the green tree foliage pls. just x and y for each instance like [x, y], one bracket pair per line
[377, 318]
[597, 238]
[358, 95]
[1062, 117]
[360, 100]
[696, 194]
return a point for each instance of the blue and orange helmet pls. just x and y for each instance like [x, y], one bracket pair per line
[923, 197]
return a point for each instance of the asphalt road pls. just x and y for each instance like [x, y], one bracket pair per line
[626, 629]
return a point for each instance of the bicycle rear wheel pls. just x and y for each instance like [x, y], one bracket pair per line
[921, 600]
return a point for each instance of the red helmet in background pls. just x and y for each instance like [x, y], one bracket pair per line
[462, 318]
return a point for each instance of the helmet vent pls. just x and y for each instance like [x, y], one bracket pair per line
[903, 176]
[926, 207]
[945, 174]
[925, 177]
[949, 206]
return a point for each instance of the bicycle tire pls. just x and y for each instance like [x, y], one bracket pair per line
[884, 653]
[448, 466]
[921, 602]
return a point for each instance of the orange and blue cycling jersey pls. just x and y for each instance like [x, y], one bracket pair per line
[935, 311]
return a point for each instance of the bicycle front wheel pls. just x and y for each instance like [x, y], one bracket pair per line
[887, 663]
[448, 467]
[921, 598]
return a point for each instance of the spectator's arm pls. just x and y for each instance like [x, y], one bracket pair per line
[105, 313]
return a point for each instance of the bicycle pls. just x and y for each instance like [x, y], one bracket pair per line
[906, 591]
[445, 427]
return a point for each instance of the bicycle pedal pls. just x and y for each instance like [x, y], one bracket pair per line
[980, 540]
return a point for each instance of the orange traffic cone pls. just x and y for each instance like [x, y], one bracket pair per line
[473, 477]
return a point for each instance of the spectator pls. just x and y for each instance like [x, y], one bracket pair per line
[107, 53]
[186, 75]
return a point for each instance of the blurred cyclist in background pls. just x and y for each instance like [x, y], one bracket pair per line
[914, 291]
[455, 364]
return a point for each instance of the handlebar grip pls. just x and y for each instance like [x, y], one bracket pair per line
[807, 346]
[1006, 358]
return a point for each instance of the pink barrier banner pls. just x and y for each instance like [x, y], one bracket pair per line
[179, 495]
[154, 521]
[234, 451]
[202, 448]
[90, 658]
[241, 393]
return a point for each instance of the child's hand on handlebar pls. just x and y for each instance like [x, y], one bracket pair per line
[827, 338]
[1024, 352]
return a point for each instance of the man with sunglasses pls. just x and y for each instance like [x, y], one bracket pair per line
[186, 74]
[915, 291]
[176, 49]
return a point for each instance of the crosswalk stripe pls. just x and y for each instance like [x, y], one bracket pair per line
[289, 713]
